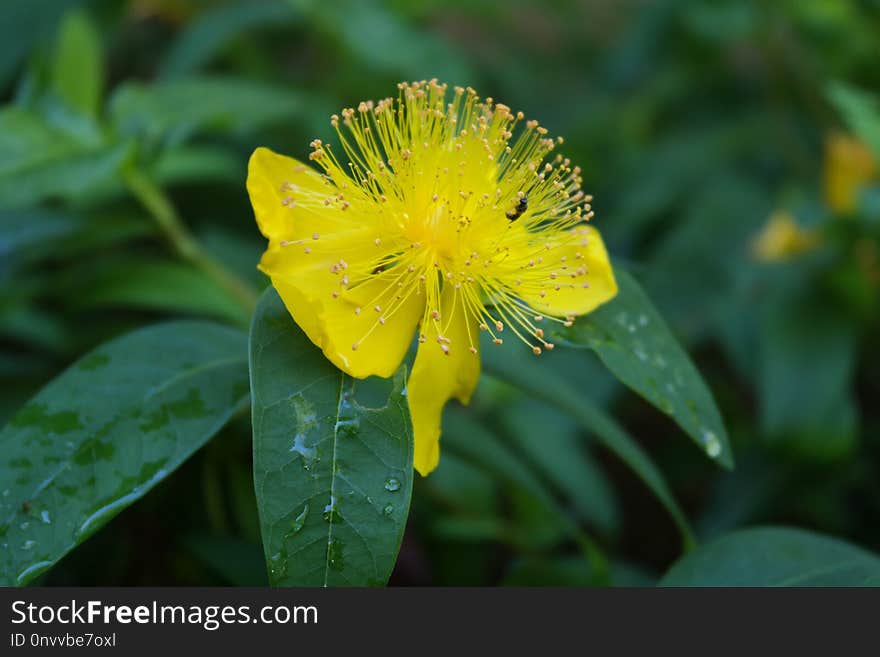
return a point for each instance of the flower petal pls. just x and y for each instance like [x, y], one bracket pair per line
[321, 263]
[439, 376]
[344, 322]
[273, 178]
[582, 277]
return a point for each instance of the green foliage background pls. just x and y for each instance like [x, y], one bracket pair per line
[693, 120]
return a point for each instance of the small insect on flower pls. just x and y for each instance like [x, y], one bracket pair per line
[522, 204]
[445, 216]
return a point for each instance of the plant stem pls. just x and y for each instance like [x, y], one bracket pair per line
[157, 203]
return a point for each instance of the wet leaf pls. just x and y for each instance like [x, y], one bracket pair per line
[776, 556]
[633, 341]
[106, 431]
[333, 472]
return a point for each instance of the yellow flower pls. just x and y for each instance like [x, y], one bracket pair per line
[436, 218]
[782, 239]
[849, 165]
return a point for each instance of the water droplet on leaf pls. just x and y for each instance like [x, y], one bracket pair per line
[309, 454]
[300, 521]
[711, 443]
[335, 557]
[331, 512]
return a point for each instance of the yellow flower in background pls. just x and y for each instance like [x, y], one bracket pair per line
[438, 220]
[782, 239]
[849, 165]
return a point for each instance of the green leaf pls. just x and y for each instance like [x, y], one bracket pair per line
[776, 556]
[41, 159]
[813, 417]
[332, 460]
[458, 485]
[78, 70]
[28, 235]
[238, 562]
[25, 23]
[633, 341]
[542, 571]
[172, 111]
[562, 458]
[106, 431]
[211, 30]
[357, 27]
[200, 165]
[861, 111]
[156, 285]
[691, 272]
[531, 377]
[472, 441]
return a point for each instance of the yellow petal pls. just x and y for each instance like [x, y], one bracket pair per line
[272, 183]
[316, 258]
[782, 238]
[438, 375]
[577, 277]
[364, 329]
[849, 166]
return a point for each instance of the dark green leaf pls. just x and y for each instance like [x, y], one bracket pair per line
[461, 486]
[815, 416]
[41, 159]
[26, 235]
[632, 339]
[692, 272]
[471, 529]
[541, 571]
[25, 23]
[472, 441]
[106, 431]
[549, 439]
[211, 30]
[358, 26]
[78, 72]
[31, 236]
[33, 325]
[776, 556]
[170, 112]
[200, 165]
[157, 285]
[861, 111]
[238, 562]
[530, 376]
[333, 476]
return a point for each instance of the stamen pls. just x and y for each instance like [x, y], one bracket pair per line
[439, 201]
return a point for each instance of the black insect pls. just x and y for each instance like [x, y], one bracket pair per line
[521, 206]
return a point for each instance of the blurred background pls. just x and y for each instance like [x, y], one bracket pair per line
[732, 150]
